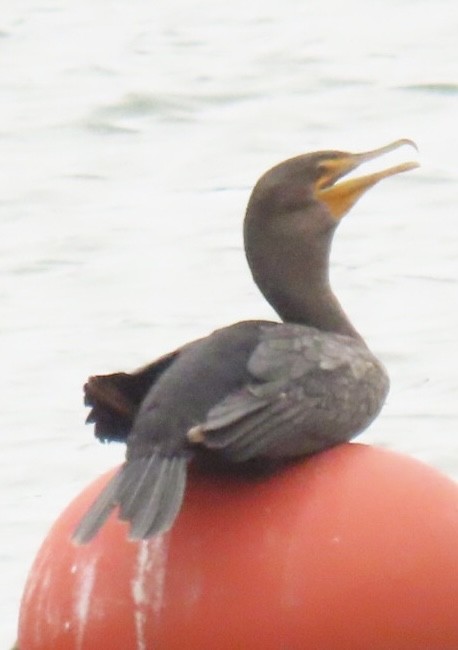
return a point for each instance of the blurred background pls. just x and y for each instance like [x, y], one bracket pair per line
[131, 135]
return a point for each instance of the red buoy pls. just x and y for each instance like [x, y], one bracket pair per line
[354, 549]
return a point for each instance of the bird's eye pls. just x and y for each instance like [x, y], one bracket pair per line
[324, 175]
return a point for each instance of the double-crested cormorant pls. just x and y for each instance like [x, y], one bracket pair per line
[256, 392]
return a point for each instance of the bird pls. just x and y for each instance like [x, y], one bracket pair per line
[255, 395]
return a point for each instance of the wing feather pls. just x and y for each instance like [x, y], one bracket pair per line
[298, 400]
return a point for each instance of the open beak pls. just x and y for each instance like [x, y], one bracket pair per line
[340, 197]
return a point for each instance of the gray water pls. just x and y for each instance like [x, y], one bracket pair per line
[131, 134]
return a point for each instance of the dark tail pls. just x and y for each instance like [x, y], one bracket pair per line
[149, 492]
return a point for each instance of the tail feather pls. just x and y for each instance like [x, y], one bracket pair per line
[149, 493]
[98, 513]
[156, 512]
[136, 487]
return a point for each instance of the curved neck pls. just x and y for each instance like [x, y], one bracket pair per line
[290, 265]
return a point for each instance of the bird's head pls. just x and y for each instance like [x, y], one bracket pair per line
[313, 178]
[290, 221]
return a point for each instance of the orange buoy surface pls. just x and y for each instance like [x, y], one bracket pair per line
[354, 549]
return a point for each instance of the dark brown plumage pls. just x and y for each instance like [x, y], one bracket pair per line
[255, 392]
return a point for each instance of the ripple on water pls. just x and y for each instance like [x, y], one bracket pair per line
[434, 88]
